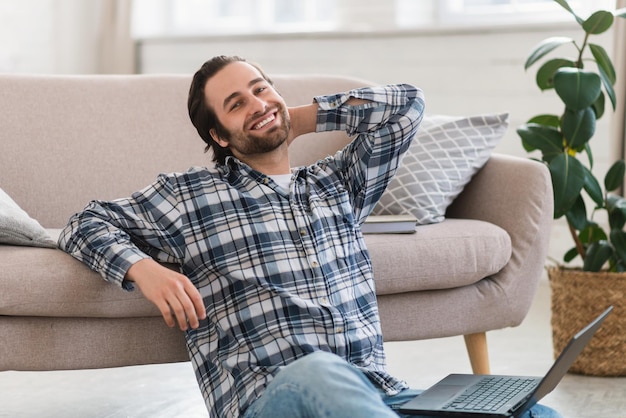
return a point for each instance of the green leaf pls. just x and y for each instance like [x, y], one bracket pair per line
[578, 127]
[568, 179]
[604, 61]
[571, 254]
[614, 201]
[589, 153]
[608, 86]
[598, 22]
[616, 208]
[598, 106]
[539, 137]
[592, 187]
[618, 239]
[567, 7]
[545, 74]
[617, 219]
[548, 120]
[597, 254]
[592, 233]
[577, 88]
[577, 215]
[544, 47]
[615, 176]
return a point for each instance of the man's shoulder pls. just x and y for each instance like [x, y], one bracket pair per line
[193, 177]
[198, 171]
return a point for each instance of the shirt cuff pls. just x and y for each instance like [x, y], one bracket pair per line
[121, 259]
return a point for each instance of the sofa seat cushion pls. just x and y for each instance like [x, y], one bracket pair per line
[49, 282]
[450, 254]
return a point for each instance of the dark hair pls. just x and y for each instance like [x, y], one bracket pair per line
[201, 114]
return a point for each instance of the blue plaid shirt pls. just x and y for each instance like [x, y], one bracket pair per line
[282, 272]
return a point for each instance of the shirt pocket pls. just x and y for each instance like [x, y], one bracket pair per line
[333, 224]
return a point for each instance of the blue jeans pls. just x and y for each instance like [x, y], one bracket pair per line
[324, 385]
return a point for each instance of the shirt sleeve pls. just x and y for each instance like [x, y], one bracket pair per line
[383, 128]
[112, 236]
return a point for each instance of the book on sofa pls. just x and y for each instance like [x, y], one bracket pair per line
[389, 224]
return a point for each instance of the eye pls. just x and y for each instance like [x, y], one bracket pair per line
[261, 89]
[235, 105]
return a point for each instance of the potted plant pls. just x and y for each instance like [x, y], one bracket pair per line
[584, 83]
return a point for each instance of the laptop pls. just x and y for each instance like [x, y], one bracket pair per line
[468, 395]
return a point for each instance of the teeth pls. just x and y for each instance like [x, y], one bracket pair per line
[264, 122]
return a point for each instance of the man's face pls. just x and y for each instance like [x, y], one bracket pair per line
[250, 110]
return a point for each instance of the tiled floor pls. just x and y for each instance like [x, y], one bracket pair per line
[170, 390]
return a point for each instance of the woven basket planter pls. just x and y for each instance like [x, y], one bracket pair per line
[577, 298]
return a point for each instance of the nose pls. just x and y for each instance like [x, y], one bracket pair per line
[257, 105]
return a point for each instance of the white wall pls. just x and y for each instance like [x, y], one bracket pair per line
[48, 36]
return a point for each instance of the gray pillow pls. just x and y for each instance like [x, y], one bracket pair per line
[446, 152]
[17, 228]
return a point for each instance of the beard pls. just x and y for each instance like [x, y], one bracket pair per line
[252, 144]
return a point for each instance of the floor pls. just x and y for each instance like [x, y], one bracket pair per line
[167, 391]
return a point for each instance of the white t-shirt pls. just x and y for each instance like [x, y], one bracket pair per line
[282, 180]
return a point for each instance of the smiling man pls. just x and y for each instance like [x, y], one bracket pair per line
[275, 291]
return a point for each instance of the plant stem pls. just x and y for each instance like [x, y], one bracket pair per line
[579, 245]
[579, 62]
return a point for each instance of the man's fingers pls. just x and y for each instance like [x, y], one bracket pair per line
[187, 305]
[166, 312]
[196, 300]
[180, 311]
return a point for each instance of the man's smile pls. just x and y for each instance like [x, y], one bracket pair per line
[270, 118]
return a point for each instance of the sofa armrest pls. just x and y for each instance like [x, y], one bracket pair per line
[516, 194]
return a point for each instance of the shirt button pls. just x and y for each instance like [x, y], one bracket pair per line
[324, 301]
[315, 264]
[266, 180]
[332, 105]
[303, 232]
[339, 330]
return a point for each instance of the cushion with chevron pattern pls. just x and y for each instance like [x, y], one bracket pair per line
[444, 155]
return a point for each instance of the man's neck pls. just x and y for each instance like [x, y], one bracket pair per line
[269, 163]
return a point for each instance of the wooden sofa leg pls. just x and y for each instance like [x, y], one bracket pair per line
[476, 345]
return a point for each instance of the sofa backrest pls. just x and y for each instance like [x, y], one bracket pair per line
[65, 140]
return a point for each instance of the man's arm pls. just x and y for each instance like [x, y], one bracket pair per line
[383, 120]
[304, 118]
[105, 235]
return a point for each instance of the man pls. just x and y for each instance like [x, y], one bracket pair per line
[275, 291]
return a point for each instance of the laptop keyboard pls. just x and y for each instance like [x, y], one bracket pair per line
[490, 394]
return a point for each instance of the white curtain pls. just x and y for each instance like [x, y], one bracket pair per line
[618, 127]
[115, 44]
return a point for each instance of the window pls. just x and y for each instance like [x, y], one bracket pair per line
[513, 11]
[414, 14]
[204, 17]
[171, 18]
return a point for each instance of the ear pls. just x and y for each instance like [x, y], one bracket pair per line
[218, 139]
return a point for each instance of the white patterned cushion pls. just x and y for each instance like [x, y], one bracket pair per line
[18, 228]
[446, 152]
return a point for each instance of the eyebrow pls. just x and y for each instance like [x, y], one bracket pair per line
[228, 99]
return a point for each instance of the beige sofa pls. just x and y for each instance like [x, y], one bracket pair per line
[68, 139]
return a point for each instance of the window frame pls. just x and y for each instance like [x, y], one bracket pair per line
[461, 12]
